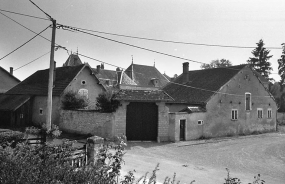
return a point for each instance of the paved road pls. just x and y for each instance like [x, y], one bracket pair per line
[205, 161]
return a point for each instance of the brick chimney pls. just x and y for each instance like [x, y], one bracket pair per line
[11, 70]
[185, 74]
[98, 68]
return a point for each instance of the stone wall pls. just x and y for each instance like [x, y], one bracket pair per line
[87, 122]
[281, 118]
[163, 122]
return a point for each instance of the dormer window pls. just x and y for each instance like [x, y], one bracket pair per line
[154, 82]
[108, 82]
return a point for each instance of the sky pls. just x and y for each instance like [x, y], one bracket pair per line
[217, 22]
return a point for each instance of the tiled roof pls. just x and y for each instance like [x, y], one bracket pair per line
[210, 80]
[105, 74]
[143, 74]
[73, 60]
[143, 95]
[7, 80]
[111, 75]
[127, 80]
[37, 83]
[12, 102]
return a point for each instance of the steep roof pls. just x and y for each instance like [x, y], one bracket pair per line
[211, 80]
[143, 75]
[12, 102]
[103, 75]
[37, 83]
[142, 95]
[7, 80]
[73, 60]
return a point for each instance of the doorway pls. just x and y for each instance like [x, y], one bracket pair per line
[182, 130]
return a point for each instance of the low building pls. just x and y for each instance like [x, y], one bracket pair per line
[219, 102]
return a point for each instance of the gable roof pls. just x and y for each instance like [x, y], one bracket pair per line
[12, 102]
[143, 75]
[37, 83]
[201, 84]
[7, 80]
[142, 95]
[103, 75]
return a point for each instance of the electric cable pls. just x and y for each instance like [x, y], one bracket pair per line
[23, 14]
[32, 61]
[176, 42]
[24, 43]
[41, 10]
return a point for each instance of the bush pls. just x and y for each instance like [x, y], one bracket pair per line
[48, 164]
[106, 103]
[9, 136]
[73, 101]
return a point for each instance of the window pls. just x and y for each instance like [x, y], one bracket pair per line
[200, 122]
[234, 114]
[83, 82]
[247, 101]
[83, 92]
[259, 113]
[41, 111]
[269, 113]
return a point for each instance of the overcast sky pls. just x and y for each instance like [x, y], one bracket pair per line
[219, 22]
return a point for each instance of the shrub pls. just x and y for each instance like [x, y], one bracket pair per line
[9, 136]
[73, 101]
[47, 164]
[106, 103]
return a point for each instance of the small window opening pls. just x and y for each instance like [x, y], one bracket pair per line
[234, 114]
[200, 122]
[41, 111]
[269, 113]
[259, 113]
[83, 82]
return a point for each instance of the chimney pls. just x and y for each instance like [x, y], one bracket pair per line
[98, 68]
[102, 65]
[119, 76]
[185, 72]
[54, 71]
[11, 70]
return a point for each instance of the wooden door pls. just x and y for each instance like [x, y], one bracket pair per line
[142, 121]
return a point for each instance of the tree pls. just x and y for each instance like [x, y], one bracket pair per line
[281, 67]
[73, 101]
[106, 103]
[217, 64]
[260, 60]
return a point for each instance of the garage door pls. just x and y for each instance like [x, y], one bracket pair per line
[142, 121]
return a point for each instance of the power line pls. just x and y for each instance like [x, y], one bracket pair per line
[99, 60]
[171, 41]
[50, 18]
[24, 43]
[32, 61]
[23, 14]
[150, 50]
[24, 26]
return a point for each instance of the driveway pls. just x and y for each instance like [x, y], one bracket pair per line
[205, 160]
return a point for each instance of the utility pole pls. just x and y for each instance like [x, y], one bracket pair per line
[50, 82]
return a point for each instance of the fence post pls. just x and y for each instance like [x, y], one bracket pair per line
[92, 147]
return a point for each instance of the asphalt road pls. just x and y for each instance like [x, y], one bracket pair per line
[205, 161]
